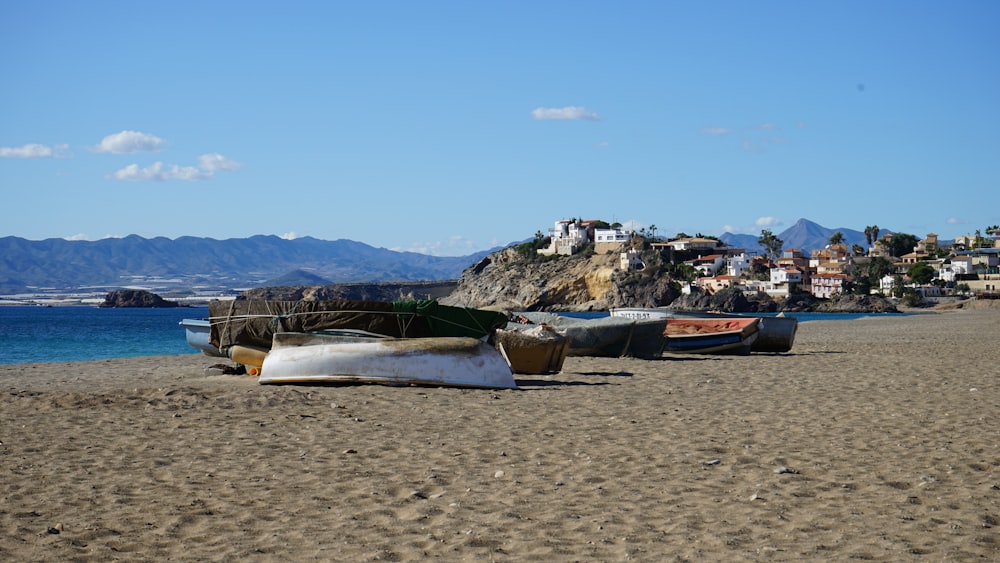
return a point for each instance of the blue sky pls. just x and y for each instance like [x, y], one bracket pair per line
[451, 127]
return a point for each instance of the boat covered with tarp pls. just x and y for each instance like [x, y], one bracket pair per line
[253, 323]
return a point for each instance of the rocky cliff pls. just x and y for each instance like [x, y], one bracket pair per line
[506, 280]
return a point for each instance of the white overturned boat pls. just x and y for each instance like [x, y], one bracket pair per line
[452, 361]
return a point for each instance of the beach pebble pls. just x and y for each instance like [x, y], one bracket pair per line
[782, 470]
[498, 474]
[713, 462]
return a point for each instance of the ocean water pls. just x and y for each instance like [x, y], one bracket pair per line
[72, 334]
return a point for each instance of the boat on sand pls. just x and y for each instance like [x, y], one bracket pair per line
[533, 349]
[776, 334]
[711, 336]
[439, 361]
[604, 336]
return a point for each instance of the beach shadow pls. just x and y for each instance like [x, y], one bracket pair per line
[608, 373]
[697, 358]
[814, 353]
[523, 383]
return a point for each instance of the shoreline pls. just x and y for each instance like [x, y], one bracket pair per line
[873, 439]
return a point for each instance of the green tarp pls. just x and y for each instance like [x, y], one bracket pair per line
[254, 322]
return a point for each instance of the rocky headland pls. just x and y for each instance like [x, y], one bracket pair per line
[512, 280]
[508, 280]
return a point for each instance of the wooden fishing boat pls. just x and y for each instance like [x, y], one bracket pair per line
[711, 336]
[604, 336]
[438, 361]
[776, 334]
[533, 349]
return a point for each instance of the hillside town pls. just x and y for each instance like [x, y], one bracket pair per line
[966, 266]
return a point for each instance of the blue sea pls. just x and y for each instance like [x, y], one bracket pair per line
[73, 334]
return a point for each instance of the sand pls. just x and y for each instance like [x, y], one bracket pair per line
[875, 439]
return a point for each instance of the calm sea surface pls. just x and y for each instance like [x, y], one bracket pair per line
[72, 334]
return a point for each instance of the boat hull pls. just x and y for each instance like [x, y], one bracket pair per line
[538, 350]
[606, 336]
[197, 333]
[776, 334]
[711, 336]
[437, 361]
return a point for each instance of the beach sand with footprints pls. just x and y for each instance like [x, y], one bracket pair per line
[874, 439]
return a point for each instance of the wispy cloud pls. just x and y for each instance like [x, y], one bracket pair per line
[717, 131]
[456, 245]
[34, 150]
[767, 222]
[568, 112]
[291, 235]
[215, 162]
[755, 138]
[128, 142]
[602, 144]
[208, 165]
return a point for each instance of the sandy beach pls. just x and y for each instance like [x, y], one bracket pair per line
[875, 439]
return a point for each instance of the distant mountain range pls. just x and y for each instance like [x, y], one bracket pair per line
[27, 266]
[804, 235]
[257, 261]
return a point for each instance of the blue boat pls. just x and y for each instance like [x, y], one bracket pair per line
[198, 333]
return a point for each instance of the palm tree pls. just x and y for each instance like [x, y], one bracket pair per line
[857, 250]
[771, 243]
[836, 238]
[868, 235]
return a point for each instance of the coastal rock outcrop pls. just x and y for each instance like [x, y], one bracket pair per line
[856, 304]
[727, 300]
[506, 280]
[136, 298]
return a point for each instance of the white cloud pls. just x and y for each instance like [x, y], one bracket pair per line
[954, 221]
[208, 164]
[34, 150]
[128, 142]
[767, 222]
[292, 235]
[157, 172]
[568, 112]
[214, 162]
[78, 236]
